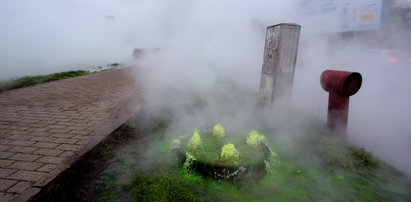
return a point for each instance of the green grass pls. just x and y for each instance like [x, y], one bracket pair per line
[31, 80]
[145, 171]
[160, 187]
[363, 158]
[284, 184]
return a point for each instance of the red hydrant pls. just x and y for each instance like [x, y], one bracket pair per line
[340, 85]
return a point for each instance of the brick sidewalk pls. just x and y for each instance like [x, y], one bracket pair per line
[46, 127]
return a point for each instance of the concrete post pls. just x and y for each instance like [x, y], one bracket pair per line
[280, 56]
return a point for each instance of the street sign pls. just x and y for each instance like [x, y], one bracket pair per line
[346, 15]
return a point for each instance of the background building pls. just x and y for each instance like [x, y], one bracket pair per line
[375, 23]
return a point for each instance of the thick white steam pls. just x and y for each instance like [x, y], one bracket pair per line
[206, 55]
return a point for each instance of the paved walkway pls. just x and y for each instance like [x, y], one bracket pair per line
[46, 127]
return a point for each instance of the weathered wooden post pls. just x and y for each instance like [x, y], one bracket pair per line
[280, 56]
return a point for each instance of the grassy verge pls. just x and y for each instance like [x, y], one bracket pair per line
[31, 80]
[146, 171]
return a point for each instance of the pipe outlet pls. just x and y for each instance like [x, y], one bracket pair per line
[340, 85]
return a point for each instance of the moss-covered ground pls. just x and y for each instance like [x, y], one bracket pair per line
[323, 168]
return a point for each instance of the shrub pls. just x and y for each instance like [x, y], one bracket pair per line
[175, 144]
[195, 142]
[218, 131]
[229, 154]
[255, 138]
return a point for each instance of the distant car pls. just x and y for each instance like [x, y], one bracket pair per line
[139, 53]
[388, 56]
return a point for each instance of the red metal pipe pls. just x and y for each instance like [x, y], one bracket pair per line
[340, 85]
